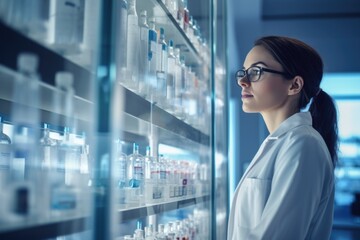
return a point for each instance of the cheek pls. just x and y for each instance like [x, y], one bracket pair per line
[270, 92]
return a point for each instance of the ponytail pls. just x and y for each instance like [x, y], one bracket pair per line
[324, 115]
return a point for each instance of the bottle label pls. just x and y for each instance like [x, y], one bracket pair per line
[4, 156]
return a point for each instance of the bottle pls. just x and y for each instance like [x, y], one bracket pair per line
[120, 173]
[121, 40]
[161, 86]
[153, 56]
[180, 13]
[136, 169]
[5, 154]
[152, 178]
[164, 182]
[66, 22]
[178, 111]
[25, 167]
[171, 78]
[65, 191]
[149, 232]
[161, 232]
[133, 43]
[186, 16]
[144, 55]
[139, 234]
[48, 158]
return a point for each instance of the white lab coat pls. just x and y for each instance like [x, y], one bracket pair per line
[287, 192]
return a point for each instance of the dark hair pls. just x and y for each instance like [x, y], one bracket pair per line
[299, 59]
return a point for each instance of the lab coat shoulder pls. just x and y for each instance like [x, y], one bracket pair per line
[301, 181]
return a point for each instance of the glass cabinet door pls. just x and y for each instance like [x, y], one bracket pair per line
[47, 73]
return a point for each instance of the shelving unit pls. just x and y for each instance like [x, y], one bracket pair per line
[141, 121]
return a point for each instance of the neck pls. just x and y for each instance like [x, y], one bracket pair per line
[274, 118]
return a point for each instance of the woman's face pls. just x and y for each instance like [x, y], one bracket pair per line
[270, 92]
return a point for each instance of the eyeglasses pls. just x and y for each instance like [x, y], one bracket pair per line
[254, 73]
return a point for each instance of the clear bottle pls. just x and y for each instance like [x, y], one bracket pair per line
[139, 234]
[66, 22]
[164, 178]
[144, 55]
[186, 16]
[5, 156]
[152, 178]
[171, 78]
[162, 68]
[136, 170]
[121, 39]
[161, 232]
[178, 110]
[25, 166]
[180, 13]
[120, 173]
[153, 56]
[65, 192]
[149, 232]
[133, 43]
[48, 158]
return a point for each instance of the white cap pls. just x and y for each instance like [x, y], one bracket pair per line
[64, 80]
[28, 62]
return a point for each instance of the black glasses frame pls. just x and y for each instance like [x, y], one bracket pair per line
[245, 72]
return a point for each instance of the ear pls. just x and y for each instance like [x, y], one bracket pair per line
[297, 84]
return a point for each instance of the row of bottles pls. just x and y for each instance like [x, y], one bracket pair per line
[144, 180]
[195, 227]
[181, 13]
[157, 70]
[46, 181]
[41, 176]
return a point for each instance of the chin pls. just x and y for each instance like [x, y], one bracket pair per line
[249, 109]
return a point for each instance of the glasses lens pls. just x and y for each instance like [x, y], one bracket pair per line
[240, 74]
[254, 73]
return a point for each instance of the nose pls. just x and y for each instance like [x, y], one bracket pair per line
[243, 82]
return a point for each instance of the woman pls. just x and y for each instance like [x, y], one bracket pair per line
[287, 192]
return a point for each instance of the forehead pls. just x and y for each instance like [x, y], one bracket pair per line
[260, 54]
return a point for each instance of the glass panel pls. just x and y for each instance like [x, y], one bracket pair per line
[46, 109]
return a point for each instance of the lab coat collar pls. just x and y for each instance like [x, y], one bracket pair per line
[298, 119]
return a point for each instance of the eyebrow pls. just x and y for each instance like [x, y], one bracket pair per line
[256, 63]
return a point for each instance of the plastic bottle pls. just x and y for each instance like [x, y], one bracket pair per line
[133, 51]
[171, 78]
[186, 16]
[178, 110]
[120, 174]
[48, 158]
[149, 232]
[25, 167]
[121, 17]
[153, 56]
[162, 68]
[5, 156]
[136, 170]
[161, 232]
[144, 55]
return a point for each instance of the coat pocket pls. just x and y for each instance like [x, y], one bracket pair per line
[252, 198]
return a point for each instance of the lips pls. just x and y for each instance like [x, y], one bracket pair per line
[246, 95]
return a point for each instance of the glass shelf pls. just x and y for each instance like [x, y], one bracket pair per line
[148, 210]
[46, 228]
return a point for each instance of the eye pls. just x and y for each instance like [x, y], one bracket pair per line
[254, 71]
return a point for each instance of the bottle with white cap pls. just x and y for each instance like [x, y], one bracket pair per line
[25, 165]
